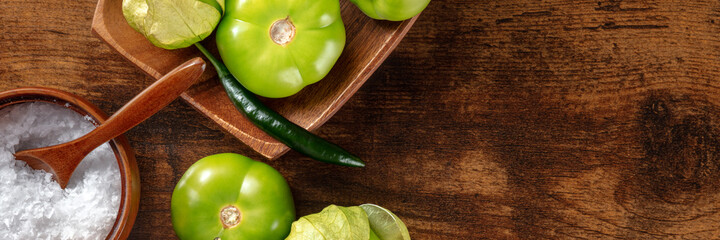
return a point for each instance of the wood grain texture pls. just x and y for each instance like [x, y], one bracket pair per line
[512, 119]
[368, 43]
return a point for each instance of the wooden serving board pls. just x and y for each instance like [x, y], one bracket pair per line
[368, 43]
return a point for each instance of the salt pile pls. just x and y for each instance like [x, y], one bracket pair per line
[32, 205]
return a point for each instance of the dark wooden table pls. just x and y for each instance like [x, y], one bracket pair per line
[519, 119]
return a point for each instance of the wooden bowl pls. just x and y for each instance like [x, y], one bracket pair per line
[368, 43]
[130, 190]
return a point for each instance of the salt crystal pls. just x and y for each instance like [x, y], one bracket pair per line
[32, 205]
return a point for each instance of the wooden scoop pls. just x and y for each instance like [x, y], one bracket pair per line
[61, 160]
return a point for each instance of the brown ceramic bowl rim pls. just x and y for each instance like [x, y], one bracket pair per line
[130, 190]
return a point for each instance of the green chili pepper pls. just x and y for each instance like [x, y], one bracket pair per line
[276, 125]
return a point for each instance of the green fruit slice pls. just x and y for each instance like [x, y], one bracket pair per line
[385, 224]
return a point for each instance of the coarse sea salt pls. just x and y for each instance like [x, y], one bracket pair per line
[32, 204]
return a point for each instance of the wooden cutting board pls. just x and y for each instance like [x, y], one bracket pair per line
[368, 43]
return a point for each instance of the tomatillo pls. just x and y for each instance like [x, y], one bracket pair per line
[393, 10]
[276, 47]
[172, 24]
[229, 196]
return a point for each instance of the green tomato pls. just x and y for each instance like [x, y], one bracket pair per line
[229, 196]
[393, 10]
[277, 47]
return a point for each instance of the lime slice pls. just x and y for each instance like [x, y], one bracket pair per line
[373, 236]
[385, 224]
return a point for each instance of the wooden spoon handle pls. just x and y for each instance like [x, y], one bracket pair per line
[148, 102]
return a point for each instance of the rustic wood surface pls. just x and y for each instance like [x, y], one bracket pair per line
[507, 119]
[368, 43]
